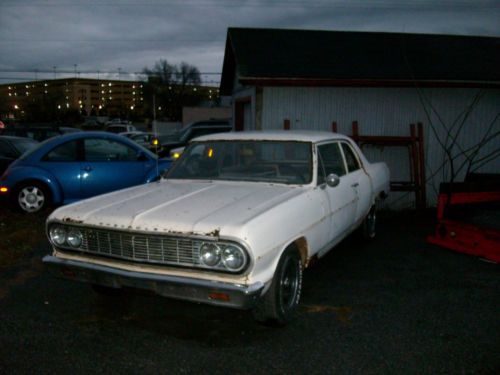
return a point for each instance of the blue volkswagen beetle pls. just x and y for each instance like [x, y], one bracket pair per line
[71, 167]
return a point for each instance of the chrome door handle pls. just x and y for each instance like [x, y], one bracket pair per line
[87, 168]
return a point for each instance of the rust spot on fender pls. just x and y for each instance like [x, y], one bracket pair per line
[214, 233]
[71, 220]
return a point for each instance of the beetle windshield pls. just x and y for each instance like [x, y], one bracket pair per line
[265, 161]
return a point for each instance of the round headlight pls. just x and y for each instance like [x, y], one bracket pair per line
[209, 254]
[74, 238]
[58, 235]
[233, 258]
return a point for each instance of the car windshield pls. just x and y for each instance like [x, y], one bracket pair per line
[263, 161]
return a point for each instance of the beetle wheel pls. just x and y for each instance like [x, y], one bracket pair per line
[32, 197]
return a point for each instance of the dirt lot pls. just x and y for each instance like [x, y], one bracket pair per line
[393, 306]
[20, 233]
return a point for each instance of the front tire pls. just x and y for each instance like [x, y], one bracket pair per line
[279, 305]
[32, 197]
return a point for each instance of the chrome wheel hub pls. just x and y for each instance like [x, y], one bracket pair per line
[31, 198]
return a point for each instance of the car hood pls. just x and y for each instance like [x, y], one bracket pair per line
[187, 207]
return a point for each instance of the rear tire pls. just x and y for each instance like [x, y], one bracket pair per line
[279, 305]
[369, 226]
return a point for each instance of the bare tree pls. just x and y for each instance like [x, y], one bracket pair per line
[187, 75]
[173, 86]
[162, 73]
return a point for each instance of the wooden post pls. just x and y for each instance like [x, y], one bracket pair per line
[334, 126]
[286, 124]
[355, 131]
[421, 157]
[415, 167]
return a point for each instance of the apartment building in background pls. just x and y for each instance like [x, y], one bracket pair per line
[91, 97]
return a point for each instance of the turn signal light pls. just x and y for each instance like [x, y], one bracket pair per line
[219, 296]
[4, 189]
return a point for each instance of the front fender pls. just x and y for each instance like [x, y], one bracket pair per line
[17, 176]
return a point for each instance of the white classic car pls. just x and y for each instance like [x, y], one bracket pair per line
[233, 223]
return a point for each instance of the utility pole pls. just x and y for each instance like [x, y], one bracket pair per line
[154, 114]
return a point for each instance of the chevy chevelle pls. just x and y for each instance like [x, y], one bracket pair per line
[233, 223]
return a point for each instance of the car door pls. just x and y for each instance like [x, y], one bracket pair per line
[359, 180]
[341, 198]
[63, 162]
[110, 165]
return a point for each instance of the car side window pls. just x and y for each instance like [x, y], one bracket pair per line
[350, 157]
[330, 160]
[100, 149]
[65, 152]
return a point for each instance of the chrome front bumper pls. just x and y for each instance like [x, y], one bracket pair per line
[184, 288]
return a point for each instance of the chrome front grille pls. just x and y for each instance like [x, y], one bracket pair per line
[141, 247]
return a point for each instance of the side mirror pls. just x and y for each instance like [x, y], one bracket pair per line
[332, 180]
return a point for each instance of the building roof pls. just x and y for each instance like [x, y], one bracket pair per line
[329, 58]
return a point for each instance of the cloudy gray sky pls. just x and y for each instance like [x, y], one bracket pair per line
[128, 35]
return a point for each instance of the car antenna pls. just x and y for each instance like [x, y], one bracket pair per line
[155, 132]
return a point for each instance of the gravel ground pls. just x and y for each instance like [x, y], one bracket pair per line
[396, 305]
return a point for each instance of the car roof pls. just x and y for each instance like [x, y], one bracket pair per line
[86, 134]
[274, 135]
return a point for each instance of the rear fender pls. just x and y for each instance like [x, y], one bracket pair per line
[27, 173]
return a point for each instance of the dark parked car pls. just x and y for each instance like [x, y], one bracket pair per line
[71, 167]
[143, 138]
[120, 128]
[37, 132]
[12, 148]
[164, 143]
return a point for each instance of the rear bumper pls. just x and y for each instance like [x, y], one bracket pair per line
[184, 288]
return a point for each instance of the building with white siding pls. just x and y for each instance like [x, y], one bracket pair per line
[385, 82]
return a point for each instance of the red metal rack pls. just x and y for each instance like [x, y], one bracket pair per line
[415, 145]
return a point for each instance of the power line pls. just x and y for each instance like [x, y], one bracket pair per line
[264, 4]
[97, 71]
[67, 40]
